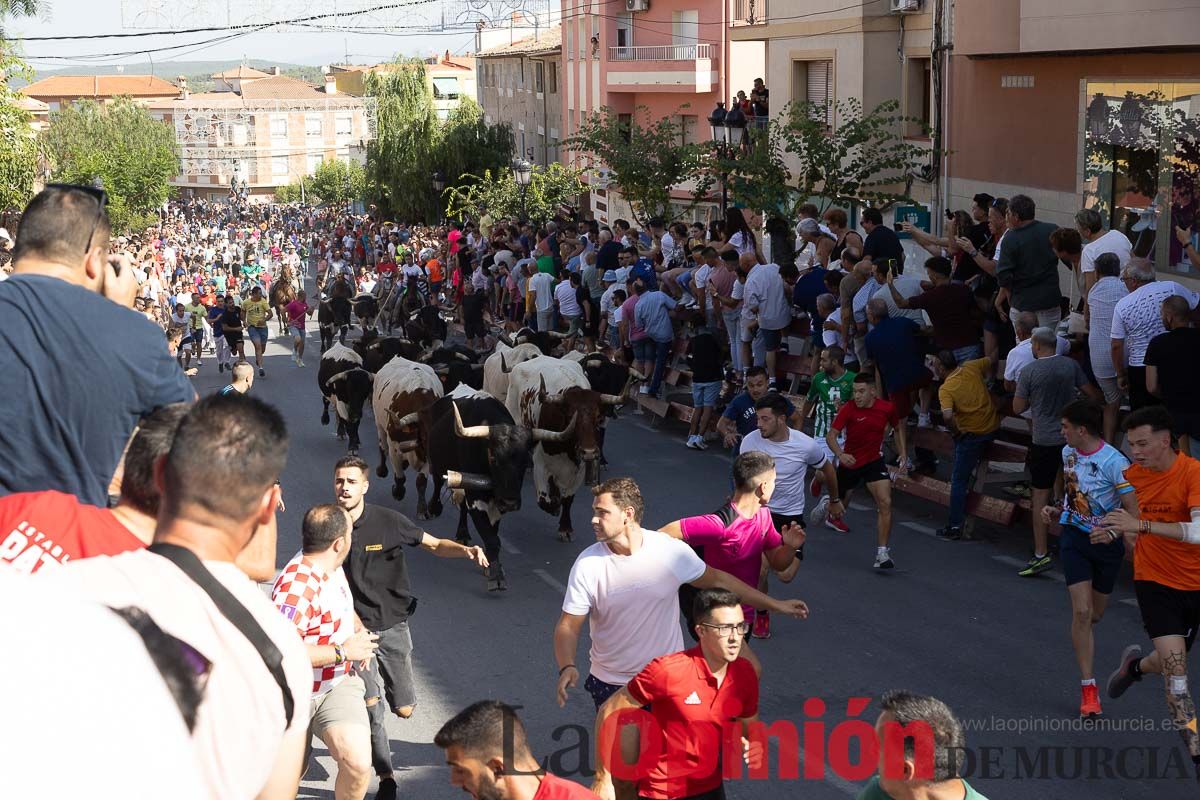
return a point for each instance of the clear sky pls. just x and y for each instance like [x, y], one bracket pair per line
[291, 45]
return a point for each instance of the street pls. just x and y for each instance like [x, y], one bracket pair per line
[953, 620]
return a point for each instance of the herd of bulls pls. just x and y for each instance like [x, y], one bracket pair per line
[476, 427]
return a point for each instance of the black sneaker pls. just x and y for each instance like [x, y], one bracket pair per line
[951, 533]
[1123, 677]
[262, 373]
[387, 789]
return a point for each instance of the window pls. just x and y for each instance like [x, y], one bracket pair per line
[625, 121]
[685, 27]
[279, 166]
[813, 81]
[539, 77]
[624, 29]
[279, 127]
[445, 88]
[581, 24]
[568, 44]
[345, 125]
[553, 77]
[312, 126]
[314, 160]
[239, 134]
[522, 62]
[918, 80]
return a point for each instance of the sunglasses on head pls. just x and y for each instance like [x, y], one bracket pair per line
[94, 192]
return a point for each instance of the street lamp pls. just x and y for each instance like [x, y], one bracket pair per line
[522, 173]
[728, 130]
[439, 186]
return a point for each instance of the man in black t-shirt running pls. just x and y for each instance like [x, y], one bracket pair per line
[377, 572]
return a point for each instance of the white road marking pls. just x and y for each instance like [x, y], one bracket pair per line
[1016, 562]
[1129, 601]
[508, 548]
[554, 582]
[919, 528]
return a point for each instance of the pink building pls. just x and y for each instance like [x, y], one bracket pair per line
[668, 56]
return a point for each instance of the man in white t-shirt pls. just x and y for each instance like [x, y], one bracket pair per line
[1097, 241]
[541, 288]
[626, 586]
[215, 511]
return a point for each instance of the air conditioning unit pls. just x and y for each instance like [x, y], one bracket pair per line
[637, 5]
[898, 6]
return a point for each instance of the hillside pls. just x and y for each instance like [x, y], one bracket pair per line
[197, 72]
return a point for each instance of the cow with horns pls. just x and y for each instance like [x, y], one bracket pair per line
[481, 454]
[545, 341]
[378, 350]
[500, 363]
[342, 380]
[554, 395]
[456, 365]
[403, 390]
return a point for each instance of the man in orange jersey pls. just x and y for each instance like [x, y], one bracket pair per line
[1166, 564]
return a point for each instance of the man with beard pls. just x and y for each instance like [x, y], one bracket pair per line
[377, 572]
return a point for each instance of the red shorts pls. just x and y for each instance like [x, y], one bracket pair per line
[902, 398]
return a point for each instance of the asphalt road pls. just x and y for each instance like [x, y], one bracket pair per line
[953, 620]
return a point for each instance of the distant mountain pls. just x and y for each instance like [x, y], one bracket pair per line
[197, 72]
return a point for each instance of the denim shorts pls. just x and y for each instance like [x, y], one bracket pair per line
[258, 333]
[643, 349]
[705, 394]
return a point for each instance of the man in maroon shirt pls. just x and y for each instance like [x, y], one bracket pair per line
[488, 753]
[865, 422]
[692, 695]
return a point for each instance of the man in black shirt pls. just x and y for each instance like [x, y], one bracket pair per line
[708, 373]
[378, 576]
[882, 245]
[1171, 372]
[473, 307]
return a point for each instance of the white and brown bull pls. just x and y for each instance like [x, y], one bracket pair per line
[501, 362]
[553, 395]
[403, 389]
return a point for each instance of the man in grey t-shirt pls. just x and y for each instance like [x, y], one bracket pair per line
[1044, 387]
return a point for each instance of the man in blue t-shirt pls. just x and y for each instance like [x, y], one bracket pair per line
[1093, 484]
[740, 418]
[76, 388]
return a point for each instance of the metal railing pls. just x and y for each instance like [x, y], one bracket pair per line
[749, 12]
[661, 52]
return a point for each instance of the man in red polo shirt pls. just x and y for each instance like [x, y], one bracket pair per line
[692, 695]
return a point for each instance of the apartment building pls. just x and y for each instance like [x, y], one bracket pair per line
[520, 84]
[1081, 103]
[449, 77]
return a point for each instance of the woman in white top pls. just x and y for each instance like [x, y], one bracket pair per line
[739, 237]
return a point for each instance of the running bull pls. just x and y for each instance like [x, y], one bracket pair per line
[342, 380]
[403, 390]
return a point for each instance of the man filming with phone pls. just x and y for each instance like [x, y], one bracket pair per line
[81, 366]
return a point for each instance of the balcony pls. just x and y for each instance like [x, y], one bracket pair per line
[748, 12]
[685, 68]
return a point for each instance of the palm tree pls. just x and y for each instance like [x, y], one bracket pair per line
[18, 8]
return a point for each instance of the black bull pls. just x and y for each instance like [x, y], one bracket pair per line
[349, 386]
[333, 314]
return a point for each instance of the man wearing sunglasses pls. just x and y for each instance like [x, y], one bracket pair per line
[78, 382]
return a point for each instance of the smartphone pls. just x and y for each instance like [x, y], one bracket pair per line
[949, 214]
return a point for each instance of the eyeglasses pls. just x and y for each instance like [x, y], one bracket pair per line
[94, 192]
[742, 628]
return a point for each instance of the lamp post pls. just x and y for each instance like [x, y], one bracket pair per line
[522, 173]
[439, 186]
[728, 129]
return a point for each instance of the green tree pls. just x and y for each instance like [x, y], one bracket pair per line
[132, 153]
[467, 146]
[290, 193]
[18, 143]
[336, 181]
[18, 8]
[400, 160]
[647, 158]
[549, 190]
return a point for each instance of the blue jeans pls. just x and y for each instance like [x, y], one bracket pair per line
[965, 354]
[661, 351]
[968, 448]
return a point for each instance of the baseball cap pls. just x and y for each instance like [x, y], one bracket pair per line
[610, 276]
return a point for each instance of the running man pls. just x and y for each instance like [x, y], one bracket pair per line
[739, 417]
[257, 313]
[793, 452]
[692, 695]
[741, 534]
[1166, 564]
[865, 423]
[626, 584]
[1094, 484]
[297, 310]
[232, 328]
[832, 387]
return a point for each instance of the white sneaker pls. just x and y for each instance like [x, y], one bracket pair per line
[691, 443]
[820, 512]
[300, 362]
[924, 421]
[883, 559]
[700, 445]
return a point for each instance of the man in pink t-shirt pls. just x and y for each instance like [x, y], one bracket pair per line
[740, 537]
[297, 310]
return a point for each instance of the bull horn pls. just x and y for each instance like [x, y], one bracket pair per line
[505, 368]
[590, 357]
[612, 399]
[468, 481]
[504, 337]
[543, 395]
[335, 378]
[556, 334]
[473, 432]
[543, 435]
[408, 419]
[444, 369]
[463, 356]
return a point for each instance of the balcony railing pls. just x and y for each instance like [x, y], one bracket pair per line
[749, 12]
[661, 52]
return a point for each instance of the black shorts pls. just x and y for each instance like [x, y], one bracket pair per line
[1167, 611]
[1186, 423]
[850, 477]
[233, 339]
[473, 328]
[1044, 462]
[1082, 561]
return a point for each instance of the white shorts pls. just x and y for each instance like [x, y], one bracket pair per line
[824, 445]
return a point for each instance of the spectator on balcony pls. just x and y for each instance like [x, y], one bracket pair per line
[761, 95]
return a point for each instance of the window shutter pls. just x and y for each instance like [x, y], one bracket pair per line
[819, 88]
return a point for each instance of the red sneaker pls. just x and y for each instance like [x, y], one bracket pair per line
[1089, 704]
[762, 625]
[838, 525]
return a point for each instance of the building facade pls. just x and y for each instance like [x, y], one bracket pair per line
[448, 78]
[520, 84]
[1105, 96]
[268, 132]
